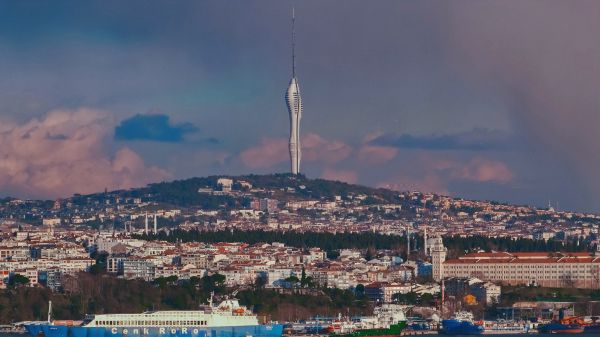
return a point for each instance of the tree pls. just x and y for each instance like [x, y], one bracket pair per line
[309, 282]
[96, 269]
[292, 279]
[333, 254]
[195, 280]
[18, 280]
[304, 280]
[215, 282]
[360, 289]
[408, 298]
[260, 282]
[371, 253]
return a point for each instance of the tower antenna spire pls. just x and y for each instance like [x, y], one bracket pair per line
[293, 42]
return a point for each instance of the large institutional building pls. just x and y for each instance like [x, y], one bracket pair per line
[581, 270]
[294, 105]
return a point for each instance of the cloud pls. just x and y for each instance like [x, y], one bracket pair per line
[347, 176]
[156, 127]
[544, 60]
[436, 174]
[273, 151]
[376, 155]
[65, 152]
[269, 152]
[483, 170]
[318, 149]
[474, 140]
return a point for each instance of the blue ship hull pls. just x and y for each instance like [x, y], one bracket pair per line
[47, 330]
[560, 328]
[456, 327]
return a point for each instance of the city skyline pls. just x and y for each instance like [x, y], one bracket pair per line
[410, 96]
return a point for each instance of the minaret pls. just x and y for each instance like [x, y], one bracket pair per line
[294, 105]
[146, 225]
[155, 224]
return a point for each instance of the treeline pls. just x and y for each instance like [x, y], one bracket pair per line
[90, 294]
[294, 306]
[179, 192]
[458, 245]
[325, 241]
[330, 242]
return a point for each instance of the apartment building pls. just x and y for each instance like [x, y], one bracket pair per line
[581, 269]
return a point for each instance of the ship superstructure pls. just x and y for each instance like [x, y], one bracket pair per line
[228, 319]
[388, 320]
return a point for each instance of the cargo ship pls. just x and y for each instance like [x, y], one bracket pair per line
[228, 319]
[388, 320]
[461, 324]
[560, 328]
[592, 328]
[564, 325]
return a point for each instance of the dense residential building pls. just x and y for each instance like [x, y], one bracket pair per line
[53, 242]
[384, 291]
[483, 292]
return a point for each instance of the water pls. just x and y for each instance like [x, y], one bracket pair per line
[515, 335]
[16, 334]
[13, 334]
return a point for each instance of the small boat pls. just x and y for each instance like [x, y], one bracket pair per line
[388, 321]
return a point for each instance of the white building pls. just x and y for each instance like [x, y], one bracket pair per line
[581, 269]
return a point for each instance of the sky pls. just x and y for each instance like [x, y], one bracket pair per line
[492, 100]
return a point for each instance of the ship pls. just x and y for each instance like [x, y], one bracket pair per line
[228, 319]
[560, 328]
[592, 328]
[564, 325]
[461, 324]
[504, 327]
[388, 320]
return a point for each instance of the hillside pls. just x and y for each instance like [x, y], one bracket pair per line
[280, 186]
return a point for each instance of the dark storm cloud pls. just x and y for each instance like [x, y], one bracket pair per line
[544, 57]
[403, 69]
[475, 140]
[153, 128]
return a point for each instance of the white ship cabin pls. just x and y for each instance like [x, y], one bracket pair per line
[388, 314]
[228, 313]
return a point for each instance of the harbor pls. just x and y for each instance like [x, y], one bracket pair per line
[230, 319]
